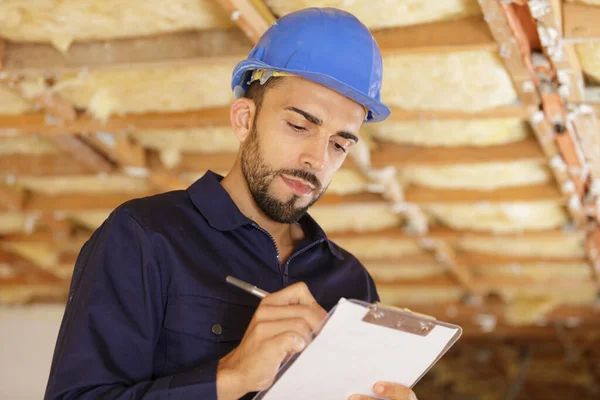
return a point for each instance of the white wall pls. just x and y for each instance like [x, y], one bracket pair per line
[28, 335]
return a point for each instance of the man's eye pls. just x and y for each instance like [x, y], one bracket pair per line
[339, 147]
[296, 127]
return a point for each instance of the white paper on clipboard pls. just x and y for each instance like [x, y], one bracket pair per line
[359, 345]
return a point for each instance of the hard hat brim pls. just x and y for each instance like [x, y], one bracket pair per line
[377, 111]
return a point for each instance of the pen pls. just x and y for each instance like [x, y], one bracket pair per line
[247, 287]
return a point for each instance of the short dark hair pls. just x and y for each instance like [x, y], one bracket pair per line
[256, 92]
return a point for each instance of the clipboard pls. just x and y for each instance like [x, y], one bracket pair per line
[359, 344]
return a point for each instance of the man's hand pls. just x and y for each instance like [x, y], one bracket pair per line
[388, 390]
[277, 331]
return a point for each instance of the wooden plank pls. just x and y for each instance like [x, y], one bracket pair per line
[388, 153]
[119, 148]
[466, 34]
[453, 235]
[400, 115]
[421, 195]
[83, 153]
[511, 48]
[41, 165]
[581, 21]
[482, 259]
[252, 22]
[37, 124]
[175, 49]
[12, 199]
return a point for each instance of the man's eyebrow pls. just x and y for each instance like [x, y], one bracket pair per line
[348, 135]
[317, 121]
[311, 118]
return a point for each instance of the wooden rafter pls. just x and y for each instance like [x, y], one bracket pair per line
[465, 34]
[36, 124]
[83, 153]
[581, 21]
[416, 195]
[12, 199]
[252, 17]
[126, 153]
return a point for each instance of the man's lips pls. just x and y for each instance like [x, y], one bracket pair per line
[299, 187]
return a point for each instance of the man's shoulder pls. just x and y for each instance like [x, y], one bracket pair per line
[348, 259]
[157, 209]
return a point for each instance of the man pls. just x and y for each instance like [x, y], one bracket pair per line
[150, 314]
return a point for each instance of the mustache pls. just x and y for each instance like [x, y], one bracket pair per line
[302, 174]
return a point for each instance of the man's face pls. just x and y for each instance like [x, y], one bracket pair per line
[299, 139]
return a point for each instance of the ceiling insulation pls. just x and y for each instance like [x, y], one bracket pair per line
[589, 57]
[139, 90]
[468, 81]
[488, 176]
[354, 217]
[102, 183]
[401, 271]
[387, 13]
[12, 222]
[483, 132]
[11, 103]
[539, 271]
[370, 248]
[569, 245]
[416, 294]
[62, 22]
[218, 139]
[501, 217]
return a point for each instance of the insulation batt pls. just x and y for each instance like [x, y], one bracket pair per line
[467, 81]
[387, 13]
[483, 132]
[62, 22]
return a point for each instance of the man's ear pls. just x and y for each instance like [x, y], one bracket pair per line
[242, 114]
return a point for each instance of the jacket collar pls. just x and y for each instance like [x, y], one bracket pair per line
[221, 212]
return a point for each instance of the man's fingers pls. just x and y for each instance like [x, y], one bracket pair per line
[297, 293]
[313, 315]
[392, 391]
[269, 329]
[284, 344]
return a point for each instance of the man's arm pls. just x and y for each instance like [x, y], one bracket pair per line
[112, 322]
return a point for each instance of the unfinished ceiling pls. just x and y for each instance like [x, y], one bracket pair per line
[475, 202]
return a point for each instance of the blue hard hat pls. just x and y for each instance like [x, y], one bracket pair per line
[327, 46]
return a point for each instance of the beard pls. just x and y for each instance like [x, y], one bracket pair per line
[260, 176]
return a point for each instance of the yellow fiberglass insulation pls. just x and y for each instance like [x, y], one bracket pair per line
[140, 90]
[354, 217]
[11, 103]
[62, 22]
[589, 57]
[488, 176]
[482, 132]
[387, 13]
[569, 245]
[27, 145]
[501, 217]
[216, 139]
[401, 296]
[90, 184]
[467, 81]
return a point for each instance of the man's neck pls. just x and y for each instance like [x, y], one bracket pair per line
[285, 235]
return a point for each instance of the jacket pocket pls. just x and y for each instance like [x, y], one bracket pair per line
[201, 330]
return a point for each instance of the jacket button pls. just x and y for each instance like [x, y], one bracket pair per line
[217, 329]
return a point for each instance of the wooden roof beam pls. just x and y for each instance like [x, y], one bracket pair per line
[36, 124]
[581, 21]
[252, 17]
[417, 195]
[83, 153]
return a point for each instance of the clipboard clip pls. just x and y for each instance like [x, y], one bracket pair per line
[400, 319]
